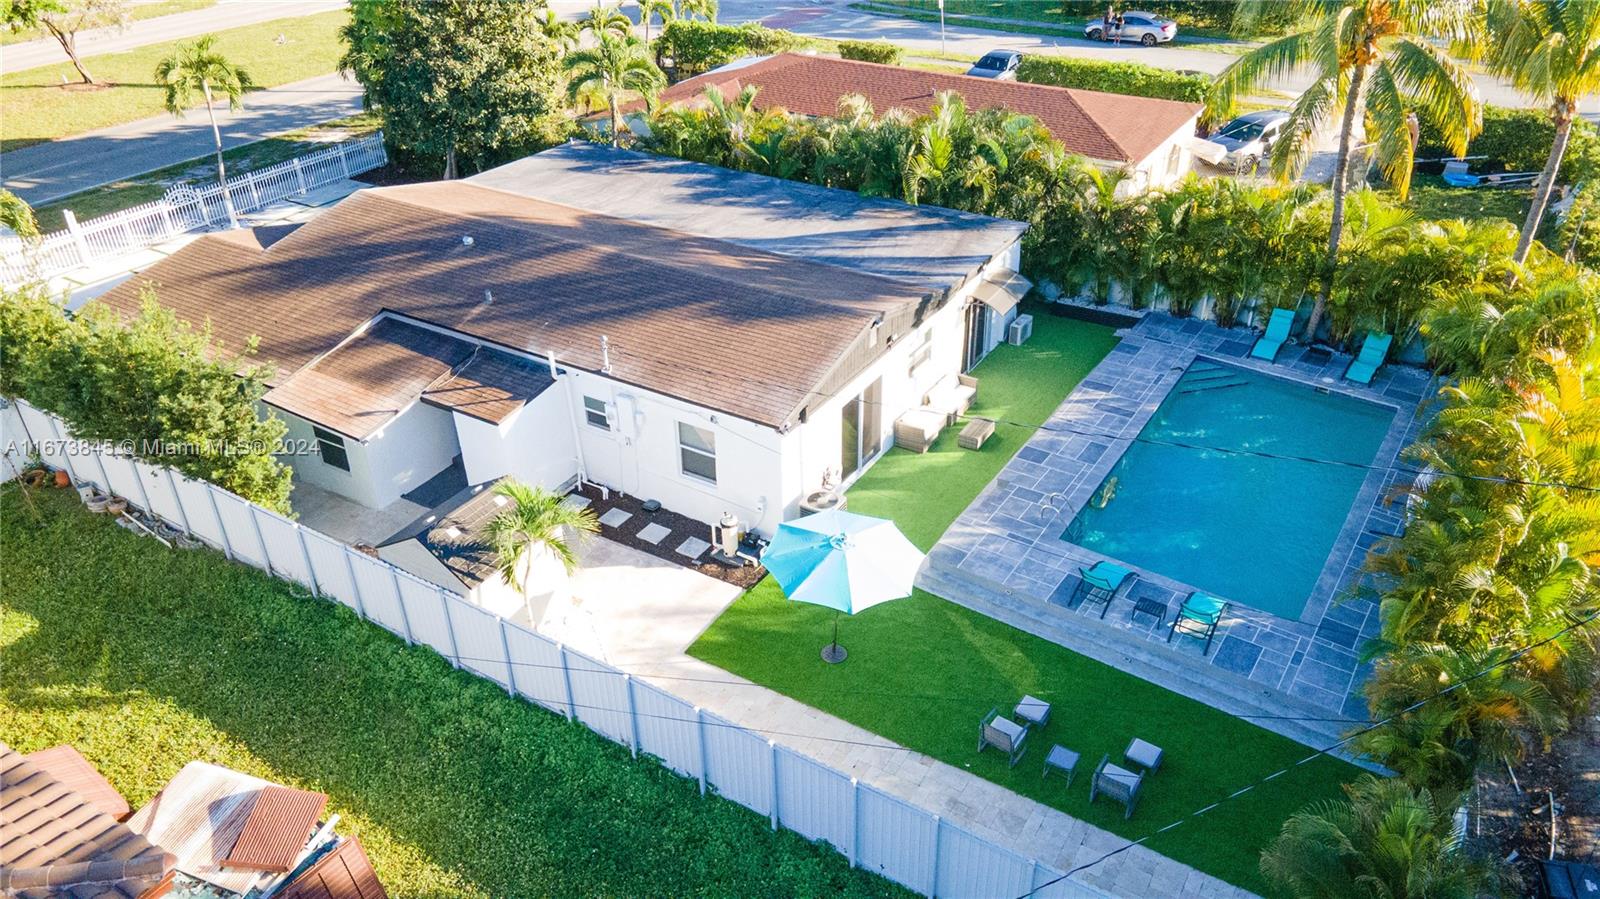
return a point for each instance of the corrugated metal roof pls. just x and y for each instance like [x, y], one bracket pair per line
[344, 873]
[280, 823]
[197, 817]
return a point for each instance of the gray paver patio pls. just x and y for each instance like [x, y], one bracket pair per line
[1005, 554]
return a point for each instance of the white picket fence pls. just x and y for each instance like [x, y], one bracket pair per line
[185, 208]
[874, 830]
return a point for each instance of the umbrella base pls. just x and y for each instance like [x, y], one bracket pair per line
[833, 654]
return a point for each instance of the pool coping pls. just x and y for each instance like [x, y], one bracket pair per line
[1012, 557]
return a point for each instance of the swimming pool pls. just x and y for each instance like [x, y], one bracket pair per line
[1205, 497]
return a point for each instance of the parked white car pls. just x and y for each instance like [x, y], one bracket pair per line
[1146, 28]
[1249, 138]
[998, 64]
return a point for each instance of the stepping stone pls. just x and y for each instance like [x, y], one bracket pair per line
[653, 533]
[575, 501]
[615, 518]
[693, 547]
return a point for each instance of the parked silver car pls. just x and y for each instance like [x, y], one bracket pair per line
[1146, 28]
[1001, 64]
[1249, 138]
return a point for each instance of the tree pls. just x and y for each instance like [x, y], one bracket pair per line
[198, 68]
[535, 520]
[616, 67]
[1373, 59]
[1387, 841]
[149, 381]
[564, 33]
[1550, 50]
[454, 80]
[17, 215]
[65, 18]
[605, 19]
[705, 9]
[651, 8]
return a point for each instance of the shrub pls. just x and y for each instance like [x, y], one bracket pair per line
[1518, 140]
[1132, 78]
[696, 47]
[872, 51]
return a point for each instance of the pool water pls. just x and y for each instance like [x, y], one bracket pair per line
[1223, 512]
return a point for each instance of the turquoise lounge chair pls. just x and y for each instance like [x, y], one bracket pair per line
[1100, 583]
[1277, 334]
[1373, 351]
[1199, 617]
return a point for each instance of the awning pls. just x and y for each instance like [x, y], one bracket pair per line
[1209, 151]
[1002, 290]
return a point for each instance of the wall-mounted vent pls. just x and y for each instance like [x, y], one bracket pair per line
[466, 240]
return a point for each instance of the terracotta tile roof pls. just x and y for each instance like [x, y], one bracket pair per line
[55, 843]
[344, 873]
[1101, 126]
[68, 766]
[726, 327]
[280, 824]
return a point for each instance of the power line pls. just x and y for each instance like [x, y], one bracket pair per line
[1320, 752]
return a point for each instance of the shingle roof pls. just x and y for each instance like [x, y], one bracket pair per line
[1108, 127]
[55, 843]
[725, 327]
[931, 246]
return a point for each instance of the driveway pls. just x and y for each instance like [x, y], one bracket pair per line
[226, 14]
[45, 172]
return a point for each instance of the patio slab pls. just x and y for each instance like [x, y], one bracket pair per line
[1004, 556]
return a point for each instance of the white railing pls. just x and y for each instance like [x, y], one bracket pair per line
[185, 208]
[874, 830]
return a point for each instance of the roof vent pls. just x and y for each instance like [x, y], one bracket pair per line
[466, 240]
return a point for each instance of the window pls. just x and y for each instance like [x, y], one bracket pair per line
[697, 452]
[331, 447]
[1174, 161]
[921, 354]
[595, 411]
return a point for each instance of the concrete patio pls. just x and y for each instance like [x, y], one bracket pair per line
[1005, 557]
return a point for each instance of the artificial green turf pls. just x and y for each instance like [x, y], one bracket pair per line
[36, 106]
[923, 671]
[145, 658]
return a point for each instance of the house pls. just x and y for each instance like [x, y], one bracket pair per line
[1152, 139]
[716, 341]
[210, 833]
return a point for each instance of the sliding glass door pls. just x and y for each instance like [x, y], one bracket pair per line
[860, 430]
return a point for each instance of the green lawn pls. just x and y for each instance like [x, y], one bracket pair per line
[151, 10]
[923, 671]
[35, 106]
[1433, 199]
[146, 658]
[118, 195]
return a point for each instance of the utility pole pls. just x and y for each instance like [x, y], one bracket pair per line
[941, 27]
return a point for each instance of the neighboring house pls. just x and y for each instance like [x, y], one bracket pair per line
[1153, 139]
[416, 324]
[211, 833]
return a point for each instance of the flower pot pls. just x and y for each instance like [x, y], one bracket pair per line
[63, 479]
[96, 502]
[35, 477]
[117, 505]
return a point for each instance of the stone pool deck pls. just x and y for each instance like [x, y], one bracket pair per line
[1004, 555]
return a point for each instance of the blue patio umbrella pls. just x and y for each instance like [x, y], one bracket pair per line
[842, 561]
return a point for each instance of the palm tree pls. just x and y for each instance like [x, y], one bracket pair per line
[563, 33]
[1550, 50]
[535, 519]
[198, 67]
[651, 8]
[1387, 841]
[705, 9]
[607, 73]
[605, 19]
[1373, 59]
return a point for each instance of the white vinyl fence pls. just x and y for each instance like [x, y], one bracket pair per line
[873, 830]
[185, 208]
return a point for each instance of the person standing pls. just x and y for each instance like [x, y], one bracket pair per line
[1117, 40]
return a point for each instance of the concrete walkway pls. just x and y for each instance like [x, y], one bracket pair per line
[640, 614]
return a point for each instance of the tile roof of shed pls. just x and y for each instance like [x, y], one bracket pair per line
[1102, 126]
[681, 312]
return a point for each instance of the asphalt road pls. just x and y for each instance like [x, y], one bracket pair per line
[226, 14]
[43, 172]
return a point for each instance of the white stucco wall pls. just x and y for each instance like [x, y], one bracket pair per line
[1157, 169]
[535, 445]
[418, 444]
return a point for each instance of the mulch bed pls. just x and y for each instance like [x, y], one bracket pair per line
[682, 528]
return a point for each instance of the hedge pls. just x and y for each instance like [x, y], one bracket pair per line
[871, 51]
[696, 47]
[1133, 78]
[1518, 140]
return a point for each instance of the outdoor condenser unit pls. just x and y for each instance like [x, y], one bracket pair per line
[1021, 329]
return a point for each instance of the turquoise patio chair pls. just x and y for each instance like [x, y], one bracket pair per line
[1277, 334]
[1373, 351]
[1199, 617]
[1100, 583]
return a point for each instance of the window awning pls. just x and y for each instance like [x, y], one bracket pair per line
[1210, 151]
[1002, 290]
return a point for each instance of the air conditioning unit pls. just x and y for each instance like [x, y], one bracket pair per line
[1021, 329]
